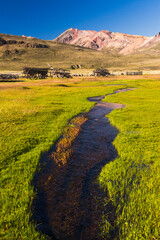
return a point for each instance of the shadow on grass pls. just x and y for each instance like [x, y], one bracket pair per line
[8, 80]
[39, 205]
[61, 85]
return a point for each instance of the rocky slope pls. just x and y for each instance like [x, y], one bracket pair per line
[122, 43]
[25, 43]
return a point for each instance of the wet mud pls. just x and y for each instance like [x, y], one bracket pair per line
[69, 202]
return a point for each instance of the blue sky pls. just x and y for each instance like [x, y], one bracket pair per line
[48, 19]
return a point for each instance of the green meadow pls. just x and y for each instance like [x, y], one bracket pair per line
[133, 178]
[32, 118]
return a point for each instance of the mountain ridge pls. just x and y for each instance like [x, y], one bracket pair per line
[106, 40]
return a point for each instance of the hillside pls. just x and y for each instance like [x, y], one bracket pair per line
[17, 52]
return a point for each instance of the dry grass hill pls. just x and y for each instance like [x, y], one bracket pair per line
[17, 52]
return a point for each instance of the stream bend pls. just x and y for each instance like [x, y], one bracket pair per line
[71, 205]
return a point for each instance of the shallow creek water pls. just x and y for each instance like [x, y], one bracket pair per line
[71, 206]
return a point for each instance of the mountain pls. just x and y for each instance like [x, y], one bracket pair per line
[17, 52]
[105, 40]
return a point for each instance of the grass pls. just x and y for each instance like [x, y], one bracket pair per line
[32, 117]
[33, 114]
[133, 178]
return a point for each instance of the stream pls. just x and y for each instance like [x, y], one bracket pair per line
[71, 206]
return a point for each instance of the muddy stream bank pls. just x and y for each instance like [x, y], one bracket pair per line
[69, 202]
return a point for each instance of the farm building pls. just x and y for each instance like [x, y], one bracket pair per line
[35, 72]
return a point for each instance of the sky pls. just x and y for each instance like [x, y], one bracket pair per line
[48, 19]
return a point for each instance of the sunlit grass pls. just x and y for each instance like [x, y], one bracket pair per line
[31, 120]
[133, 178]
[32, 117]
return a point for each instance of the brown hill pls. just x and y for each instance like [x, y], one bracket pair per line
[118, 42]
[17, 52]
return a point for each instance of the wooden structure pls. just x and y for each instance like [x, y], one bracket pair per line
[134, 73]
[101, 72]
[35, 72]
[8, 76]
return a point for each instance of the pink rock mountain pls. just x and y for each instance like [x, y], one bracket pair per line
[122, 43]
